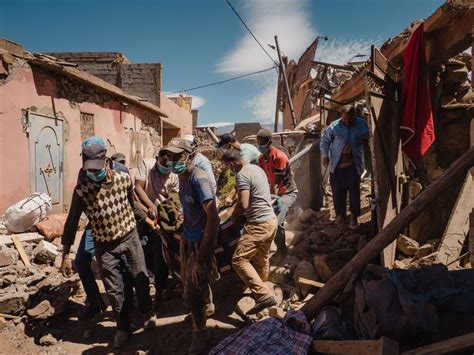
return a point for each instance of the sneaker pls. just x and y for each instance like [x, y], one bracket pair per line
[354, 224]
[199, 343]
[91, 312]
[261, 305]
[121, 338]
[151, 321]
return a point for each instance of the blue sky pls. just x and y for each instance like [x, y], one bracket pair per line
[201, 41]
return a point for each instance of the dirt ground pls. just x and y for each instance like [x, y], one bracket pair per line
[172, 336]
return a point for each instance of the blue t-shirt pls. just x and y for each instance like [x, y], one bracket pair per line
[193, 192]
[201, 162]
[250, 153]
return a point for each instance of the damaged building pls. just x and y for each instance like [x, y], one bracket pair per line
[55, 103]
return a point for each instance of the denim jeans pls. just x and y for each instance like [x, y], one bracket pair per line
[343, 181]
[284, 203]
[121, 262]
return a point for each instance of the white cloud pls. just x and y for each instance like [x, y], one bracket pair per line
[286, 18]
[198, 101]
[289, 20]
[217, 124]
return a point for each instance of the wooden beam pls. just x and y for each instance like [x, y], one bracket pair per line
[351, 89]
[383, 346]
[21, 251]
[445, 346]
[458, 225]
[309, 282]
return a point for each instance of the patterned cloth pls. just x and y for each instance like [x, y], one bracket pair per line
[270, 336]
[107, 206]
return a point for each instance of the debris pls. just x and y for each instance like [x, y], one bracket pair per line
[13, 300]
[445, 346]
[383, 346]
[423, 251]
[407, 245]
[21, 250]
[23, 237]
[327, 325]
[48, 340]
[45, 252]
[305, 270]
[308, 215]
[8, 256]
[24, 214]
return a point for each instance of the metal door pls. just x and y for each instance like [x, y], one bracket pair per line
[46, 157]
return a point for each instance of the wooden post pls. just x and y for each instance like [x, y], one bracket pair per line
[387, 235]
[277, 104]
[285, 80]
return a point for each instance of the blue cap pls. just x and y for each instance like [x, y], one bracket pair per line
[93, 153]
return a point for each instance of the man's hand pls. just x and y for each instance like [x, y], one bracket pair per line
[325, 162]
[153, 212]
[66, 266]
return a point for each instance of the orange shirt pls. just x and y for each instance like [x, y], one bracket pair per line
[277, 164]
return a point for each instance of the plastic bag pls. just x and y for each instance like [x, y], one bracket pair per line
[25, 214]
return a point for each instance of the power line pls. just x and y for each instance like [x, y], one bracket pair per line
[223, 81]
[248, 29]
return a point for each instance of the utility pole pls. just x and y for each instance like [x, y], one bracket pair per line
[287, 87]
[277, 104]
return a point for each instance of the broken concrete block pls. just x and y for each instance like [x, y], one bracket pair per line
[293, 238]
[407, 245]
[3, 323]
[423, 251]
[12, 301]
[430, 259]
[275, 290]
[305, 270]
[8, 256]
[45, 252]
[279, 274]
[398, 264]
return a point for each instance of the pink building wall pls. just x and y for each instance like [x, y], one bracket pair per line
[177, 115]
[37, 89]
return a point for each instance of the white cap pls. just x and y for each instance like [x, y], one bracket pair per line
[189, 138]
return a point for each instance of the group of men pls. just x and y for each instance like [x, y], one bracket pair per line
[116, 207]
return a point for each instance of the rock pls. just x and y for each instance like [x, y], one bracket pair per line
[297, 225]
[423, 251]
[3, 323]
[307, 215]
[8, 256]
[293, 238]
[52, 227]
[407, 245]
[42, 311]
[45, 252]
[447, 100]
[12, 301]
[426, 261]
[277, 312]
[244, 305]
[327, 265]
[279, 274]
[398, 264]
[323, 214]
[456, 74]
[332, 231]
[306, 270]
[48, 340]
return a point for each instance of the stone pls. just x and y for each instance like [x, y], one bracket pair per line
[277, 312]
[398, 264]
[48, 340]
[332, 231]
[307, 215]
[3, 323]
[279, 274]
[41, 311]
[13, 301]
[293, 238]
[423, 251]
[276, 290]
[8, 256]
[428, 260]
[407, 245]
[306, 270]
[456, 74]
[45, 252]
[297, 225]
[327, 265]
[244, 305]
[323, 213]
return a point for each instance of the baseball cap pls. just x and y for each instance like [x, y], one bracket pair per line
[264, 133]
[93, 153]
[179, 145]
[118, 157]
[224, 139]
[190, 138]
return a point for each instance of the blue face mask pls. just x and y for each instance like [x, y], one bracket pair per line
[179, 167]
[263, 148]
[96, 176]
[163, 169]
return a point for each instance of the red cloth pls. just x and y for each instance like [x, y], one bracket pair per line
[417, 128]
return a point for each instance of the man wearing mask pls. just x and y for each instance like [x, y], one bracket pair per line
[200, 228]
[106, 197]
[201, 162]
[250, 259]
[249, 152]
[153, 186]
[280, 178]
[342, 149]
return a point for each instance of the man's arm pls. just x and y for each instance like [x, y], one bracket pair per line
[140, 190]
[279, 168]
[140, 216]
[326, 140]
[242, 204]
[210, 231]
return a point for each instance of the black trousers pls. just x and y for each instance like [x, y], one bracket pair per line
[122, 262]
[343, 181]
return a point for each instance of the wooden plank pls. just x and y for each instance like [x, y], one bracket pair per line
[383, 346]
[9, 316]
[458, 225]
[23, 237]
[309, 282]
[21, 251]
[445, 346]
